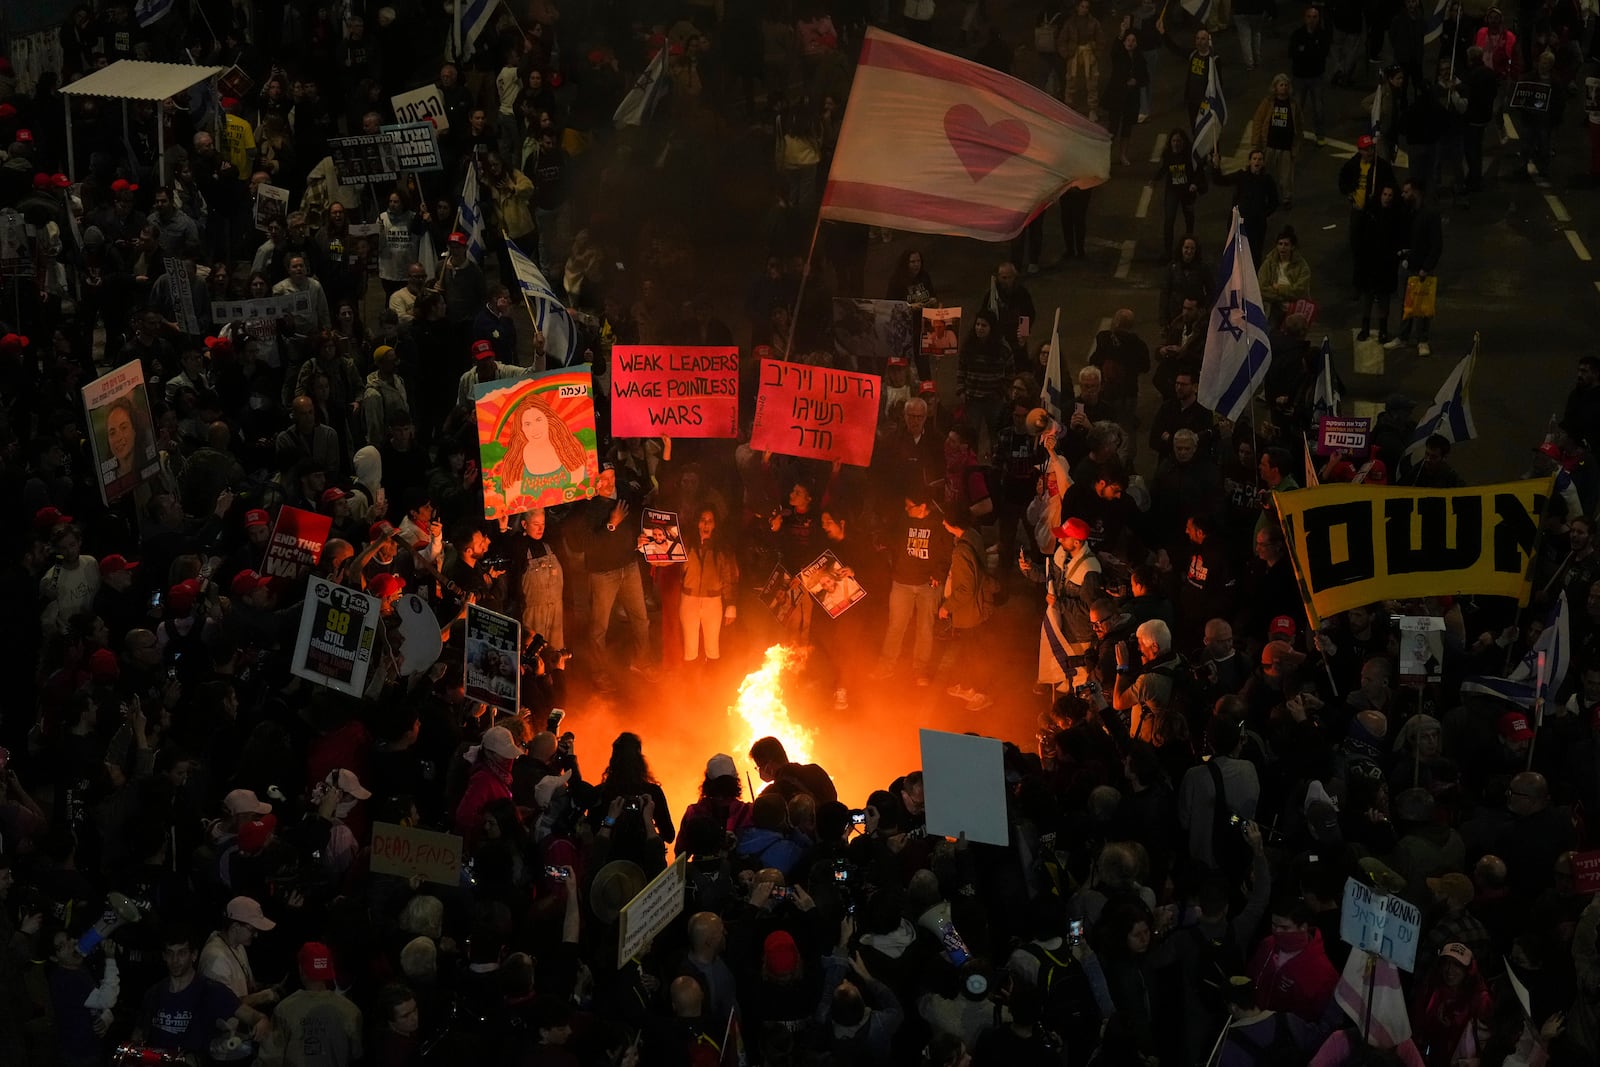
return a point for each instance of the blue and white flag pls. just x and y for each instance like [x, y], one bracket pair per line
[646, 92]
[1325, 395]
[1451, 415]
[1198, 8]
[1237, 352]
[1530, 681]
[149, 12]
[1052, 396]
[476, 15]
[1375, 119]
[549, 313]
[1209, 119]
[1436, 22]
[469, 217]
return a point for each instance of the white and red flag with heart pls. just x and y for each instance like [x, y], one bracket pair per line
[935, 144]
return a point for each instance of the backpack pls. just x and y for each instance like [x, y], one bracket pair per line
[1229, 848]
[1066, 1000]
[1282, 1051]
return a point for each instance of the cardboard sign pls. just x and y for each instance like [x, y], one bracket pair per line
[941, 331]
[418, 637]
[416, 147]
[234, 82]
[536, 440]
[1586, 871]
[1421, 648]
[1381, 923]
[338, 629]
[1530, 96]
[679, 392]
[493, 659]
[365, 159]
[121, 431]
[421, 105]
[652, 911]
[867, 333]
[296, 545]
[662, 540]
[1337, 433]
[831, 584]
[272, 205]
[816, 413]
[964, 779]
[409, 851]
[183, 298]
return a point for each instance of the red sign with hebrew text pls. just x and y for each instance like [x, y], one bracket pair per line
[816, 412]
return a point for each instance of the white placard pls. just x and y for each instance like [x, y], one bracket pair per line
[964, 781]
[1421, 648]
[421, 105]
[421, 643]
[1380, 922]
[652, 911]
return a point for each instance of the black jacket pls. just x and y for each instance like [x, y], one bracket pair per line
[1308, 51]
[1426, 240]
[1380, 174]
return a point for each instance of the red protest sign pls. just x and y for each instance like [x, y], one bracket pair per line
[1586, 871]
[680, 392]
[296, 544]
[816, 412]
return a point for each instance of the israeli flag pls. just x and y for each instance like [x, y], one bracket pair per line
[549, 312]
[1450, 416]
[646, 92]
[149, 12]
[1435, 22]
[476, 15]
[1543, 669]
[1237, 353]
[1209, 119]
[469, 217]
[1325, 395]
[1375, 119]
[1198, 8]
[1052, 394]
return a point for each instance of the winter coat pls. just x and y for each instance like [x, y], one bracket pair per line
[964, 595]
[1302, 984]
[1377, 251]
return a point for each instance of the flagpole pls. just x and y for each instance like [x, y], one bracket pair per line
[800, 294]
[533, 318]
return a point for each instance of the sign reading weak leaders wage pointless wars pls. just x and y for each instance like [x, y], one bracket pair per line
[680, 392]
[1381, 923]
[816, 412]
[1354, 545]
[411, 852]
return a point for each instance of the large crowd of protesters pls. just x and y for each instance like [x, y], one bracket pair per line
[186, 871]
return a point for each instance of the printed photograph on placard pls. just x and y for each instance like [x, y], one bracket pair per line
[941, 331]
[272, 205]
[493, 659]
[662, 540]
[832, 585]
[781, 593]
[338, 633]
[866, 333]
[536, 441]
[121, 431]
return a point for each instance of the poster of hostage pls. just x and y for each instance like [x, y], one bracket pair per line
[536, 441]
[662, 539]
[338, 631]
[494, 659]
[781, 593]
[831, 584]
[121, 431]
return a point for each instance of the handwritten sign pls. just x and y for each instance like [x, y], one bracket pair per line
[681, 392]
[649, 913]
[183, 297]
[405, 851]
[1379, 922]
[1339, 434]
[1586, 871]
[421, 105]
[296, 543]
[816, 412]
[364, 159]
[416, 147]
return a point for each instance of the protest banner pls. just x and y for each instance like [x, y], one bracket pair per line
[1380, 923]
[121, 431]
[1530, 96]
[651, 910]
[536, 440]
[816, 413]
[831, 584]
[941, 331]
[681, 392]
[364, 159]
[338, 629]
[867, 333]
[260, 316]
[1337, 433]
[416, 147]
[421, 105]
[418, 637]
[964, 783]
[412, 852]
[781, 593]
[1421, 648]
[662, 541]
[493, 659]
[272, 205]
[1586, 872]
[295, 546]
[1354, 545]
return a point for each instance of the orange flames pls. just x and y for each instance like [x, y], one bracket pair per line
[761, 710]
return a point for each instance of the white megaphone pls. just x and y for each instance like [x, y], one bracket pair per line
[119, 912]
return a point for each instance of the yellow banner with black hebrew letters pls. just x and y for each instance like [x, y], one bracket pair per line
[1354, 545]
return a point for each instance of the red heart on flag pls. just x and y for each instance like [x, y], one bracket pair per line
[982, 146]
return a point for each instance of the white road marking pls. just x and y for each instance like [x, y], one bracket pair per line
[1557, 208]
[1125, 261]
[1161, 144]
[1144, 203]
[1511, 128]
[1579, 249]
[1366, 409]
[1368, 355]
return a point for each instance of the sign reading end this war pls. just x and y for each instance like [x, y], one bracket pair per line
[677, 392]
[816, 412]
[1354, 545]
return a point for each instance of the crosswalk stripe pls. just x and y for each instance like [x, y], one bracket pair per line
[1144, 203]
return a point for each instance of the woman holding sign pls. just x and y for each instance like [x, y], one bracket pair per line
[542, 455]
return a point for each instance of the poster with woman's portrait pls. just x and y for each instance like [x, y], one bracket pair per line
[832, 585]
[121, 431]
[536, 441]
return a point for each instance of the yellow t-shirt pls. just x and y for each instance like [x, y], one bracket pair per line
[239, 141]
[1360, 197]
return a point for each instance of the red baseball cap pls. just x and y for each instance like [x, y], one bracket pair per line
[183, 595]
[25, 136]
[8, 111]
[1513, 726]
[316, 961]
[1074, 528]
[379, 529]
[1365, 141]
[253, 834]
[1282, 627]
[333, 494]
[483, 349]
[780, 955]
[257, 517]
[48, 518]
[41, 180]
[927, 389]
[103, 666]
[899, 361]
[123, 185]
[458, 238]
[246, 582]
[229, 103]
[13, 342]
[60, 181]
[386, 585]
[116, 564]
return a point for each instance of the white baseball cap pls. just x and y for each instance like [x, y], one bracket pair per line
[246, 910]
[245, 802]
[348, 784]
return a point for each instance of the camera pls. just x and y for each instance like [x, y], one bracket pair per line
[1075, 932]
[556, 872]
[495, 563]
[858, 818]
[1086, 691]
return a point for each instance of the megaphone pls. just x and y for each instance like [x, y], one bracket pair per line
[119, 912]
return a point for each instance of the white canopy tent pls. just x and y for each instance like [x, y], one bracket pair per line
[134, 79]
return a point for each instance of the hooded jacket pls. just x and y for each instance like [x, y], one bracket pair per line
[1301, 984]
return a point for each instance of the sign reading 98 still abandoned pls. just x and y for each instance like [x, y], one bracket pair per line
[1359, 544]
[816, 412]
